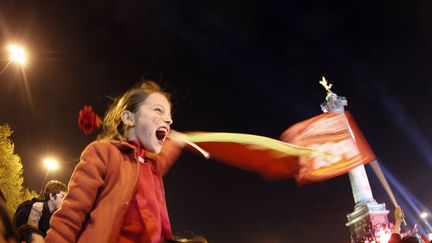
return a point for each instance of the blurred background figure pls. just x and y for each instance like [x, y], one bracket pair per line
[396, 235]
[8, 232]
[37, 212]
[399, 216]
[29, 234]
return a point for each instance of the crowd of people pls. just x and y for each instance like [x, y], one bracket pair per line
[116, 191]
[397, 237]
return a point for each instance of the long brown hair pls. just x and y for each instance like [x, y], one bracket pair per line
[113, 127]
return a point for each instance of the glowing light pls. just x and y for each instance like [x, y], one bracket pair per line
[383, 236]
[51, 163]
[379, 233]
[430, 236]
[17, 54]
[383, 233]
[423, 215]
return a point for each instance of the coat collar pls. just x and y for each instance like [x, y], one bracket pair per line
[128, 147]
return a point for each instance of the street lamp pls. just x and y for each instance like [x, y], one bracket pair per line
[424, 215]
[50, 164]
[16, 54]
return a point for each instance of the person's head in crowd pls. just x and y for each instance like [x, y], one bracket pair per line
[409, 239]
[8, 232]
[29, 234]
[54, 192]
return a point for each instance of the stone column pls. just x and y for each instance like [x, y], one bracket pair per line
[368, 215]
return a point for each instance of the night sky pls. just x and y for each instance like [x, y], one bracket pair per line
[231, 66]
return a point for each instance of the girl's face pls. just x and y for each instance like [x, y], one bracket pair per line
[150, 125]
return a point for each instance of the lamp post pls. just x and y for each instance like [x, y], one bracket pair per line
[50, 164]
[17, 54]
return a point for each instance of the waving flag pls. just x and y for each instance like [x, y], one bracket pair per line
[335, 134]
[271, 158]
[313, 150]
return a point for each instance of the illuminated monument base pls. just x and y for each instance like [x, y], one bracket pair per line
[366, 219]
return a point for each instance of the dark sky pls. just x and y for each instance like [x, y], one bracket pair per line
[232, 66]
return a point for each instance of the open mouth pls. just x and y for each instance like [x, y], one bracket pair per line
[161, 134]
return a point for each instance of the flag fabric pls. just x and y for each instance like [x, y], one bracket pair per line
[271, 158]
[313, 150]
[338, 136]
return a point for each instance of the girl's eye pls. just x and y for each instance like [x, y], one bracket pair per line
[158, 110]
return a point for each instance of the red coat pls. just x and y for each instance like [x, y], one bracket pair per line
[99, 191]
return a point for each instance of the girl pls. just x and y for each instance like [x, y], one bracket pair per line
[116, 191]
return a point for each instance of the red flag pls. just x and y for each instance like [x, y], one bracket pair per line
[335, 134]
[271, 158]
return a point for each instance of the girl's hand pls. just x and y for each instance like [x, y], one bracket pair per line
[180, 138]
[183, 139]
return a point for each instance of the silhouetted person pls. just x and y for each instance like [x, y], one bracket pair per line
[29, 234]
[8, 233]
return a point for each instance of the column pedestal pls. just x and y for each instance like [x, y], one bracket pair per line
[365, 219]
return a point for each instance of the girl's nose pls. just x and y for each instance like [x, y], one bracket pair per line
[168, 119]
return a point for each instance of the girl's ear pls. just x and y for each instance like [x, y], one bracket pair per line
[128, 118]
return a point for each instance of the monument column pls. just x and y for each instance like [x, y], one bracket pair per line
[368, 215]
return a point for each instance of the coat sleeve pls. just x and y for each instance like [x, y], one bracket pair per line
[87, 178]
[168, 156]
